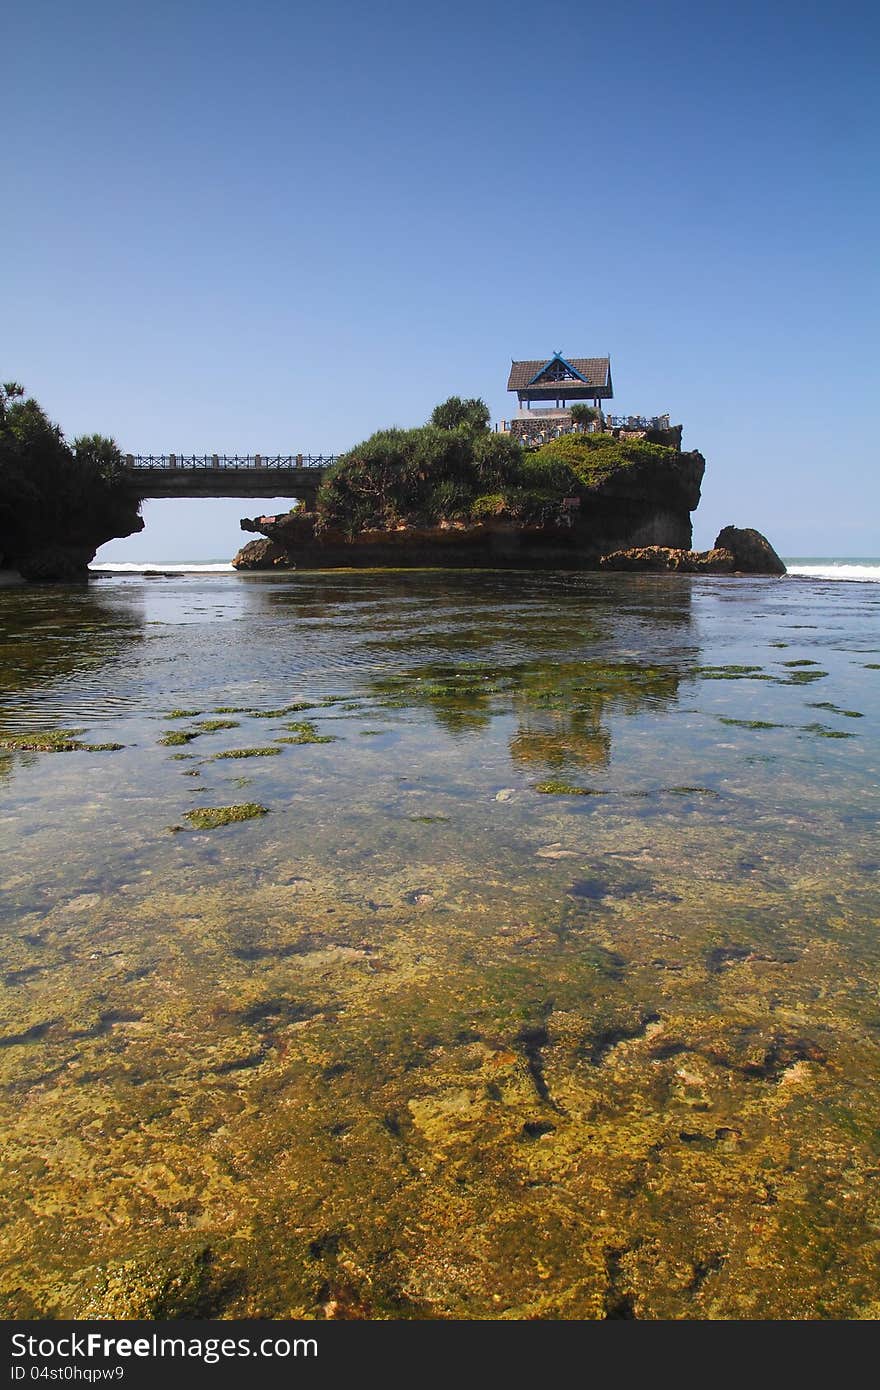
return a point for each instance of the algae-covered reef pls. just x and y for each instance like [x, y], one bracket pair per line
[465, 496]
[58, 503]
[553, 997]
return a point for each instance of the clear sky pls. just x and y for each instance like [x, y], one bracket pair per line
[276, 227]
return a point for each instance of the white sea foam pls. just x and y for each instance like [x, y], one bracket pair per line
[863, 571]
[160, 566]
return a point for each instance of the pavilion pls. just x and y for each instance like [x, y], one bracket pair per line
[559, 381]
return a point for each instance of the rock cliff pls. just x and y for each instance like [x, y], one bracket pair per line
[58, 503]
[58, 553]
[646, 502]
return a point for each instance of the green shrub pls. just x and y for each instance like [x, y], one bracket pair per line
[533, 504]
[449, 500]
[496, 460]
[490, 504]
[583, 415]
[456, 414]
[594, 457]
[448, 471]
[422, 475]
[547, 472]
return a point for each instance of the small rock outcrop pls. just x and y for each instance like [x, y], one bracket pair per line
[261, 555]
[736, 551]
[752, 552]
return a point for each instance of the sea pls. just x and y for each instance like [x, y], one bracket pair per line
[451, 945]
[808, 567]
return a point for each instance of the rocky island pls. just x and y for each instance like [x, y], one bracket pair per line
[455, 494]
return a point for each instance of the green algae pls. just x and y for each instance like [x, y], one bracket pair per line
[168, 1285]
[306, 738]
[835, 709]
[211, 726]
[304, 731]
[280, 713]
[246, 753]
[804, 677]
[751, 723]
[685, 789]
[54, 741]
[211, 817]
[231, 709]
[175, 737]
[182, 714]
[802, 662]
[364, 1071]
[732, 673]
[554, 787]
[823, 731]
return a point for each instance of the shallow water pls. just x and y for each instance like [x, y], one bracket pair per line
[547, 988]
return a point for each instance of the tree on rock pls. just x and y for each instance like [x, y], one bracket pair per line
[582, 416]
[57, 503]
[471, 415]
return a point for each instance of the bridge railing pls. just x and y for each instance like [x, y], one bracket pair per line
[189, 462]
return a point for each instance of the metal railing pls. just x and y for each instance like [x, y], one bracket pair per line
[638, 422]
[190, 462]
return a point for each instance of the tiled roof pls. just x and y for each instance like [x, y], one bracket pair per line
[595, 369]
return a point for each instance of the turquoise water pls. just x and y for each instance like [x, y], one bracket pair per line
[540, 981]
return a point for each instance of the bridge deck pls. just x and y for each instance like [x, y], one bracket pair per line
[227, 475]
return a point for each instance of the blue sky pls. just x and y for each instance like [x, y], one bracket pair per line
[278, 227]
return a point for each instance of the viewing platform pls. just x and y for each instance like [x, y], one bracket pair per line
[543, 423]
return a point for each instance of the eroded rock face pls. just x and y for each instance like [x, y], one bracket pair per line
[656, 558]
[56, 564]
[643, 505]
[60, 559]
[261, 555]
